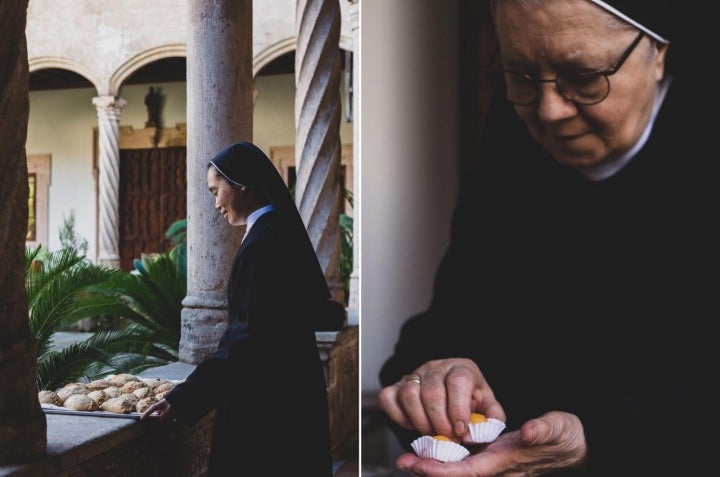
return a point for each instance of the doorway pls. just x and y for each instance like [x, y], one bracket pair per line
[153, 195]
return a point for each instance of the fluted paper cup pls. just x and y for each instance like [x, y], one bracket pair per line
[483, 432]
[428, 447]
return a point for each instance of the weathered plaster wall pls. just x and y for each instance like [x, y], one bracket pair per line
[105, 41]
[61, 124]
[97, 38]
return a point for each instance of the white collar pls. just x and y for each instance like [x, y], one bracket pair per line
[254, 215]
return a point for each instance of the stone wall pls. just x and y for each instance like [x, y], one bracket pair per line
[88, 446]
[343, 393]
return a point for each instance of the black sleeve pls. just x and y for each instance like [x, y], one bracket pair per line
[200, 393]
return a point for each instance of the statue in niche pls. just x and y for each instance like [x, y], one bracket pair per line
[154, 100]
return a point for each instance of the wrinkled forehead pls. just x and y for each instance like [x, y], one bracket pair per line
[535, 28]
[653, 18]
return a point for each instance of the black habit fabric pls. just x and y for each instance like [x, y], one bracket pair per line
[594, 298]
[266, 380]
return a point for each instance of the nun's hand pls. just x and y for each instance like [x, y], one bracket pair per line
[554, 441]
[163, 409]
[439, 396]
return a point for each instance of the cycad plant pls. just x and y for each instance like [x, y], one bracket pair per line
[149, 301]
[64, 287]
[57, 284]
[177, 234]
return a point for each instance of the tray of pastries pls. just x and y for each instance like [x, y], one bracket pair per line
[116, 395]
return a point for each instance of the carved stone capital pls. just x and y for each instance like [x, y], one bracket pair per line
[109, 107]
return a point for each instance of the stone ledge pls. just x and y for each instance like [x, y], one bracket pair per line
[75, 441]
[76, 444]
[88, 446]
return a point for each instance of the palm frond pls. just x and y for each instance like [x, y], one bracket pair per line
[135, 339]
[177, 232]
[63, 287]
[155, 296]
[56, 285]
[57, 368]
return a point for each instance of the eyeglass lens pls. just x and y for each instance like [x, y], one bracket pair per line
[583, 88]
[587, 88]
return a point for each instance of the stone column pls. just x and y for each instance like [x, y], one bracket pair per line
[108, 111]
[22, 422]
[354, 298]
[317, 126]
[219, 112]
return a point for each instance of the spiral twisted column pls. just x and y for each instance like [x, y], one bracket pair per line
[108, 111]
[317, 125]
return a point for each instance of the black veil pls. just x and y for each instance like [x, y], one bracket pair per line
[243, 163]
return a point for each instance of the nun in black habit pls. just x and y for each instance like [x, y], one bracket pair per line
[265, 381]
[574, 300]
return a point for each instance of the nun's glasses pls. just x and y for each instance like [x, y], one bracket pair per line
[586, 88]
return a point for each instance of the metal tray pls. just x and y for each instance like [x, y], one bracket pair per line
[52, 409]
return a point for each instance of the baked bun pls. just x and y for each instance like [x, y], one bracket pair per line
[80, 402]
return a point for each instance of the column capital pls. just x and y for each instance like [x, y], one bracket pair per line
[109, 101]
[109, 106]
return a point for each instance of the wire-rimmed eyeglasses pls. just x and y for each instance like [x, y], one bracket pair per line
[586, 88]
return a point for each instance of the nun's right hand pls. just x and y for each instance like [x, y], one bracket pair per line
[163, 409]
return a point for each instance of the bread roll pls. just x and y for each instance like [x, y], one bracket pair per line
[130, 397]
[164, 387]
[112, 391]
[153, 383]
[98, 396]
[145, 403]
[143, 392]
[131, 386]
[98, 384]
[118, 405]
[80, 402]
[64, 393]
[122, 378]
[49, 397]
[80, 387]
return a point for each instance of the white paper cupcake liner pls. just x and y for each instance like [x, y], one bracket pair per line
[482, 432]
[445, 451]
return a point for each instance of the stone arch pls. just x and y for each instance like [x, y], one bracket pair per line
[138, 61]
[273, 51]
[45, 62]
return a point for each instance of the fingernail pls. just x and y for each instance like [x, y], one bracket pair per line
[460, 428]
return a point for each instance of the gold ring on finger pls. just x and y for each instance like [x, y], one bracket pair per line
[412, 378]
